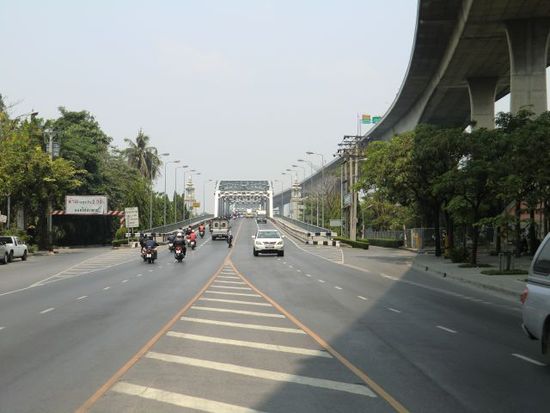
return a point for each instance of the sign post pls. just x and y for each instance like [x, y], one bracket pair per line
[131, 215]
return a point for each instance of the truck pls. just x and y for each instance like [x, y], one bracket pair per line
[15, 247]
[219, 228]
[249, 213]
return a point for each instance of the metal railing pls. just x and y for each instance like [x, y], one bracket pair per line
[174, 226]
[304, 225]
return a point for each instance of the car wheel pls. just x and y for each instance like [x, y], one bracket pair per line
[24, 257]
[281, 253]
[10, 256]
[4, 260]
[255, 252]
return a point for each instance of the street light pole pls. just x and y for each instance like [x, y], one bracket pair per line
[165, 195]
[322, 186]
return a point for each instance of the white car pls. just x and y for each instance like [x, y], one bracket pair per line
[536, 298]
[268, 241]
[15, 247]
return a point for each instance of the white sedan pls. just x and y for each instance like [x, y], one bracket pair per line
[268, 241]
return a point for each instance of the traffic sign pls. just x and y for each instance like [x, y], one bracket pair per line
[131, 215]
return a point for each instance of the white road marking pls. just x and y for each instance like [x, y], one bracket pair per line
[264, 374]
[284, 262]
[389, 277]
[180, 400]
[226, 277]
[362, 298]
[338, 288]
[139, 275]
[298, 270]
[82, 298]
[251, 344]
[223, 300]
[290, 266]
[244, 325]
[151, 270]
[229, 282]
[124, 281]
[535, 362]
[1, 328]
[321, 281]
[230, 288]
[224, 310]
[47, 310]
[394, 310]
[448, 330]
[107, 288]
[308, 275]
[230, 293]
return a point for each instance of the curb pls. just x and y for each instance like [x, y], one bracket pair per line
[426, 268]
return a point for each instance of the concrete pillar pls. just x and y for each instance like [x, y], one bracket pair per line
[482, 101]
[528, 49]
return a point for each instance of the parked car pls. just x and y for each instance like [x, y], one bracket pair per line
[15, 247]
[536, 298]
[4, 256]
[268, 241]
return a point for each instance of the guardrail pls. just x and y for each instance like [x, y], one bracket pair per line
[304, 225]
[181, 224]
[303, 234]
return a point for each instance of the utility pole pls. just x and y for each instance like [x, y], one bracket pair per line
[349, 150]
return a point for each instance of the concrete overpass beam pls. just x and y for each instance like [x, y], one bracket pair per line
[528, 50]
[482, 101]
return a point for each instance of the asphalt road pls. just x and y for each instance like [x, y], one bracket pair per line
[225, 331]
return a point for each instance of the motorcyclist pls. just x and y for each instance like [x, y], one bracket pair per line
[192, 236]
[151, 243]
[201, 227]
[179, 241]
[229, 239]
[141, 239]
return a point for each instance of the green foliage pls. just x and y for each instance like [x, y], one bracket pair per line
[121, 233]
[364, 244]
[387, 243]
[119, 242]
[458, 254]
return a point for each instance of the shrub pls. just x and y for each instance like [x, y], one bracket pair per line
[355, 244]
[385, 242]
[119, 242]
[504, 272]
[121, 233]
[458, 254]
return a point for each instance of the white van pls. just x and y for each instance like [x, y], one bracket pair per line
[536, 298]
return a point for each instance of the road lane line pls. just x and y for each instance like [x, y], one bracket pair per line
[338, 288]
[82, 298]
[321, 281]
[397, 406]
[225, 310]
[230, 288]
[362, 298]
[449, 330]
[227, 277]
[231, 293]
[124, 281]
[535, 362]
[107, 288]
[179, 399]
[394, 310]
[264, 374]
[298, 270]
[251, 344]
[223, 300]
[244, 325]
[309, 275]
[139, 275]
[229, 282]
[1, 328]
[47, 310]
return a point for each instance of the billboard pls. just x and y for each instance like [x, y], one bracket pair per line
[86, 205]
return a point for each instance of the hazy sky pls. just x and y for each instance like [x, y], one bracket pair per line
[235, 89]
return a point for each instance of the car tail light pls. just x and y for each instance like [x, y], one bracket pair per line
[523, 296]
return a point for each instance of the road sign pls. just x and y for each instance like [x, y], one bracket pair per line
[335, 223]
[3, 219]
[131, 214]
[85, 205]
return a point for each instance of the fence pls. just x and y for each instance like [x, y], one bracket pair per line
[181, 224]
[304, 225]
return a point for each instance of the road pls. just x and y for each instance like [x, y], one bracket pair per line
[317, 330]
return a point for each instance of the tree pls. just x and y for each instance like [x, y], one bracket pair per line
[142, 156]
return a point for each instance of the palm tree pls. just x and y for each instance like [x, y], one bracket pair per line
[142, 156]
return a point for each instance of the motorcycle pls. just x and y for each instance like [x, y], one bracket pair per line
[192, 244]
[150, 255]
[179, 254]
[170, 246]
[201, 233]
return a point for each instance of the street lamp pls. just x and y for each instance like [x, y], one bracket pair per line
[290, 190]
[165, 195]
[204, 194]
[322, 186]
[176, 189]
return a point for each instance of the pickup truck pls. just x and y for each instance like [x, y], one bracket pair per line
[15, 247]
[219, 228]
[4, 256]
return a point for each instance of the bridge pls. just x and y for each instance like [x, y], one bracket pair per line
[466, 55]
[238, 195]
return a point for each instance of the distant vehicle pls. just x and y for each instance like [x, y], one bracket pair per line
[4, 256]
[261, 216]
[249, 213]
[268, 241]
[536, 298]
[219, 228]
[15, 248]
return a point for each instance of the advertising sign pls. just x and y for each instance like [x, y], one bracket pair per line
[86, 205]
[3, 219]
[131, 215]
[196, 204]
[335, 223]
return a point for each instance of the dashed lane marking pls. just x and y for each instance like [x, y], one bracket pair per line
[244, 325]
[362, 298]
[47, 310]
[394, 310]
[338, 288]
[107, 288]
[223, 300]
[227, 277]
[82, 298]
[263, 374]
[309, 275]
[180, 400]
[321, 281]
[529, 360]
[124, 281]
[224, 310]
[250, 344]
[230, 293]
[229, 282]
[230, 288]
[448, 330]
[1, 328]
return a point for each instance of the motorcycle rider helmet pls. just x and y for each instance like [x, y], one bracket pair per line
[179, 235]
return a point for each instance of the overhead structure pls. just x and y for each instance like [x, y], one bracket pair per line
[233, 196]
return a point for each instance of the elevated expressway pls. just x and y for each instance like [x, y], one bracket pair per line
[466, 55]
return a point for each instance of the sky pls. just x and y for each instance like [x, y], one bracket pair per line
[236, 89]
